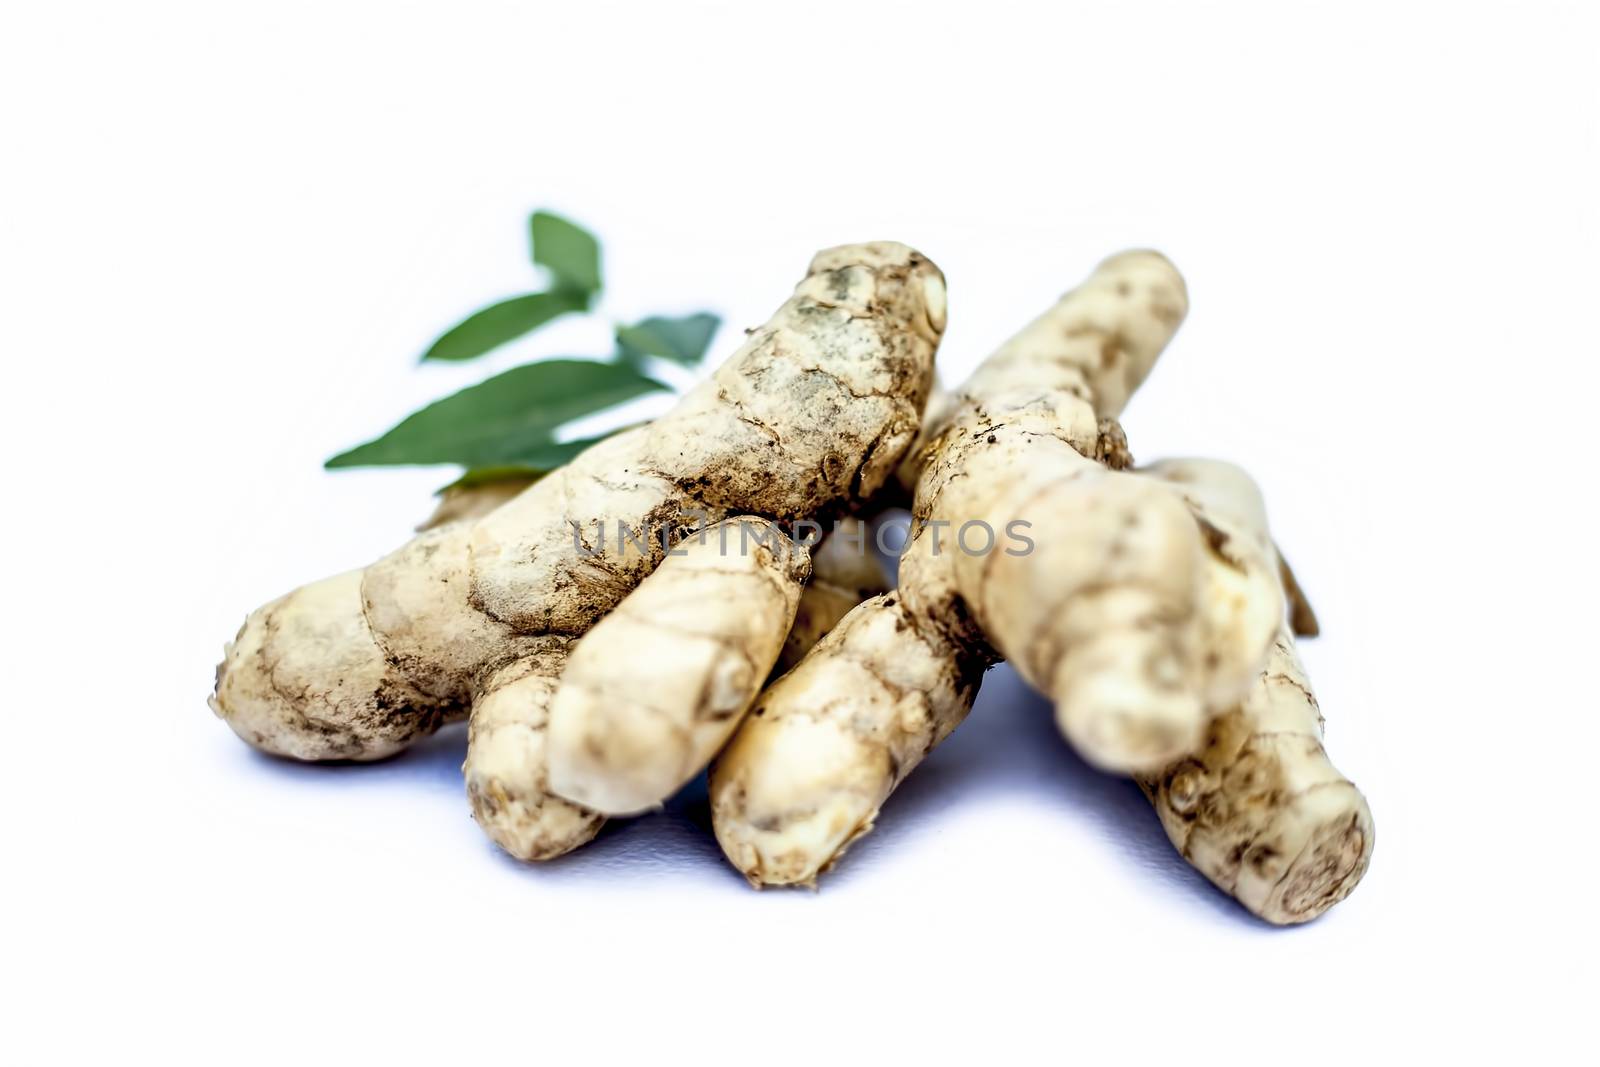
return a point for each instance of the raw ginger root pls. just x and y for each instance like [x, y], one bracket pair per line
[609, 628]
[807, 419]
[655, 688]
[1135, 615]
[1119, 606]
[507, 761]
[1258, 808]
[729, 615]
[806, 773]
[1149, 606]
[666, 676]
[844, 572]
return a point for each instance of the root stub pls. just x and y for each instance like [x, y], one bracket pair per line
[1325, 873]
[1260, 810]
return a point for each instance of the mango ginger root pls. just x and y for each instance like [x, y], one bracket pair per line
[808, 771]
[1258, 808]
[1139, 613]
[808, 418]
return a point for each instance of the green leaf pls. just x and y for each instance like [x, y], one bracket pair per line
[570, 252]
[502, 322]
[508, 420]
[533, 464]
[683, 339]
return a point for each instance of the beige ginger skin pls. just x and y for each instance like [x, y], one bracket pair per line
[1153, 616]
[809, 417]
[1124, 613]
[657, 686]
[1258, 808]
[666, 644]
[506, 770]
[507, 766]
[844, 572]
[601, 676]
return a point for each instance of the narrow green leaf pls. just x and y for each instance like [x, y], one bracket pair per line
[552, 454]
[682, 339]
[502, 322]
[533, 464]
[509, 419]
[570, 252]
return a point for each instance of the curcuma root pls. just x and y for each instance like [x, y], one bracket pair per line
[808, 418]
[829, 741]
[653, 691]
[1258, 808]
[1145, 604]
[609, 628]
[844, 572]
[656, 689]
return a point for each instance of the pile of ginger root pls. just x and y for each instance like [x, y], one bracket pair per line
[601, 672]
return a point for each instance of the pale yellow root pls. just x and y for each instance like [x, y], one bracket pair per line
[807, 772]
[655, 689]
[811, 415]
[1259, 809]
[1138, 614]
[507, 760]
[311, 686]
[661, 641]
[1135, 615]
[508, 755]
[935, 417]
[844, 569]
[844, 572]
[1030, 422]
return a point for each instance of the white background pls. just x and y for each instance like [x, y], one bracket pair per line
[229, 229]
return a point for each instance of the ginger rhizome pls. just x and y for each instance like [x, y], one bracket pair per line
[613, 626]
[844, 572]
[832, 738]
[507, 765]
[1142, 613]
[1258, 808]
[808, 418]
[655, 688]
[659, 684]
